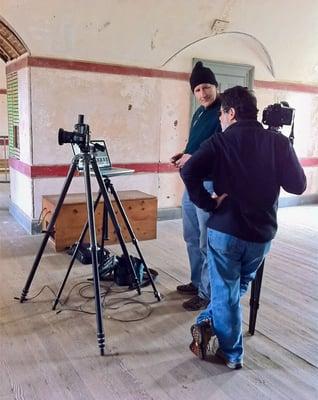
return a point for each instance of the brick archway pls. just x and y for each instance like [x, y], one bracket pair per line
[11, 45]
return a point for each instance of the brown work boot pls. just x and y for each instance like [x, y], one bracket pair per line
[195, 303]
[201, 334]
[189, 288]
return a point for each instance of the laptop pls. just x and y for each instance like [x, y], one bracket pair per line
[102, 159]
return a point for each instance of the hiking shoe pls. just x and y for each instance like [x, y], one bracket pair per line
[189, 288]
[195, 303]
[201, 334]
[217, 352]
[230, 364]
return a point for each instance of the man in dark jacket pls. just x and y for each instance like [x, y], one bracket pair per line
[248, 165]
[205, 122]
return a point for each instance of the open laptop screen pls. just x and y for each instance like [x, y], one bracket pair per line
[102, 156]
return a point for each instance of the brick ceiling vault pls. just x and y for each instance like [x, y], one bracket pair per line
[11, 46]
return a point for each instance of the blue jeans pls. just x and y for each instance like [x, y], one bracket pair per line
[195, 235]
[233, 264]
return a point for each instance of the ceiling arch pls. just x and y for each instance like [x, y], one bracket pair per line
[11, 45]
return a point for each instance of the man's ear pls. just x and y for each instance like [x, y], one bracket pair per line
[232, 114]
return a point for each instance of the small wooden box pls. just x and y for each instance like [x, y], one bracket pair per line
[140, 208]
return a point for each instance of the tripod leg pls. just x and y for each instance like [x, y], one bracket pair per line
[49, 230]
[255, 296]
[132, 236]
[80, 240]
[104, 235]
[115, 223]
[93, 240]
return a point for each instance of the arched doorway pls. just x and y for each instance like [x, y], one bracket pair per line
[11, 47]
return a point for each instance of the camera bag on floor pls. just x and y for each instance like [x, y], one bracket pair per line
[123, 276]
[83, 254]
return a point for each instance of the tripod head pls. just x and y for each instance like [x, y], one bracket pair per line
[79, 136]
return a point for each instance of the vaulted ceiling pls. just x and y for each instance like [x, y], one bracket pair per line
[280, 38]
[11, 46]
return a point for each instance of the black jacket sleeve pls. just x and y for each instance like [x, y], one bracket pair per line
[291, 174]
[199, 166]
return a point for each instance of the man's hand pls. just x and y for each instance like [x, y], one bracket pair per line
[219, 199]
[175, 158]
[182, 160]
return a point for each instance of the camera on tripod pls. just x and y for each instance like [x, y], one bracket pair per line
[278, 114]
[80, 135]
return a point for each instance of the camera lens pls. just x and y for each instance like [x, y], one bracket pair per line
[65, 137]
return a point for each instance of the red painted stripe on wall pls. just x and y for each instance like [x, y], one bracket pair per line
[20, 166]
[309, 162]
[51, 171]
[43, 62]
[289, 86]
[39, 171]
[42, 171]
[149, 167]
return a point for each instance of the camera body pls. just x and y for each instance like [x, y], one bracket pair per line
[80, 135]
[278, 114]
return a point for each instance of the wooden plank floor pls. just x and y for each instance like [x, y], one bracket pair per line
[49, 355]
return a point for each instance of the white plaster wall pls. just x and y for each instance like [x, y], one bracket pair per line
[127, 32]
[3, 80]
[3, 103]
[141, 119]
[306, 117]
[136, 116]
[53, 186]
[21, 186]
[21, 189]
[148, 32]
[170, 190]
[167, 187]
[4, 149]
[305, 130]
[123, 110]
[312, 183]
[146, 119]
[147, 183]
[228, 48]
[3, 115]
[25, 132]
[312, 180]
[175, 117]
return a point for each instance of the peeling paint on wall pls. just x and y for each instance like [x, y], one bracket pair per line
[153, 40]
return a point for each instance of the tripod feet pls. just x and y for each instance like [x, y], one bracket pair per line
[158, 296]
[23, 296]
[101, 342]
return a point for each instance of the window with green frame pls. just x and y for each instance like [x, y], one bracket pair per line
[13, 115]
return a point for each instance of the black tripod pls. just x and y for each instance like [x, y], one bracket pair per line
[275, 116]
[108, 209]
[81, 137]
[255, 296]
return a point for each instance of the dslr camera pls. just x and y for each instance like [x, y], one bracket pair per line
[278, 114]
[80, 135]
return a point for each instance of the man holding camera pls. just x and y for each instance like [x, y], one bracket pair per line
[205, 122]
[248, 165]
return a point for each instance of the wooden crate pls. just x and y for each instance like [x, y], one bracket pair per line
[141, 210]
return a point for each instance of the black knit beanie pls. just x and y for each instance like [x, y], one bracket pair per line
[201, 74]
